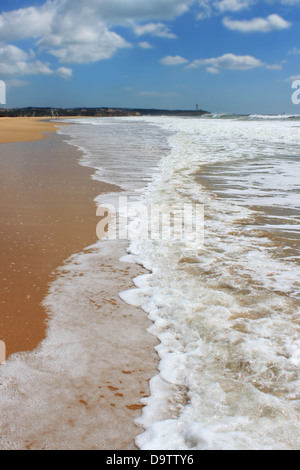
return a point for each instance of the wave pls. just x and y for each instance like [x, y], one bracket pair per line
[274, 116]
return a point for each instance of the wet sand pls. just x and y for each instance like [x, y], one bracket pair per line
[47, 213]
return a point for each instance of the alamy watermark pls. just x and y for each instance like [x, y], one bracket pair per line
[2, 352]
[296, 94]
[138, 221]
[2, 92]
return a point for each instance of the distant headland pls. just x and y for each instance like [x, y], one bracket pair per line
[95, 112]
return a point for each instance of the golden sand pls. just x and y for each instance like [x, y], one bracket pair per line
[47, 213]
[25, 129]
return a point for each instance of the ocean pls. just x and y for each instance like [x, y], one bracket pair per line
[225, 306]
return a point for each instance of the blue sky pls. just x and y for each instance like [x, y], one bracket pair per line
[236, 56]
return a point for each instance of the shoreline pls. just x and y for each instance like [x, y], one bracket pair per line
[40, 190]
[48, 213]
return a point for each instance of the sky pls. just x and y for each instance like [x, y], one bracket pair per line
[231, 56]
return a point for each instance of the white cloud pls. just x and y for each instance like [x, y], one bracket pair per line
[64, 72]
[47, 19]
[261, 25]
[78, 32]
[208, 8]
[79, 36]
[84, 47]
[26, 22]
[154, 29]
[14, 62]
[140, 10]
[24, 68]
[145, 45]
[232, 5]
[212, 70]
[13, 54]
[173, 60]
[229, 62]
[37, 21]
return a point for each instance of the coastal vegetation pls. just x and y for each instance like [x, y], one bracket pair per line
[94, 112]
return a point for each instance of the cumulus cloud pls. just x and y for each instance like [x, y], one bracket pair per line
[212, 70]
[145, 45]
[231, 62]
[232, 5]
[207, 8]
[141, 10]
[84, 47]
[261, 25]
[228, 62]
[50, 18]
[15, 62]
[173, 60]
[64, 72]
[79, 32]
[80, 36]
[29, 22]
[154, 29]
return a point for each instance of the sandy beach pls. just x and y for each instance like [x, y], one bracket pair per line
[48, 213]
[25, 129]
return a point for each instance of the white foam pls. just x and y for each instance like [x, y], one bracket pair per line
[223, 312]
[54, 397]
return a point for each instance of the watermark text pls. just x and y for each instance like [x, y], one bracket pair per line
[2, 92]
[296, 94]
[2, 352]
[138, 221]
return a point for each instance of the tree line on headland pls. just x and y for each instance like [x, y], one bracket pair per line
[94, 112]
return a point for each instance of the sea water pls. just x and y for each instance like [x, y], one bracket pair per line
[226, 311]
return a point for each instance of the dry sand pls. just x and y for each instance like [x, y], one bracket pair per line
[24, 129]
[47, 213]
